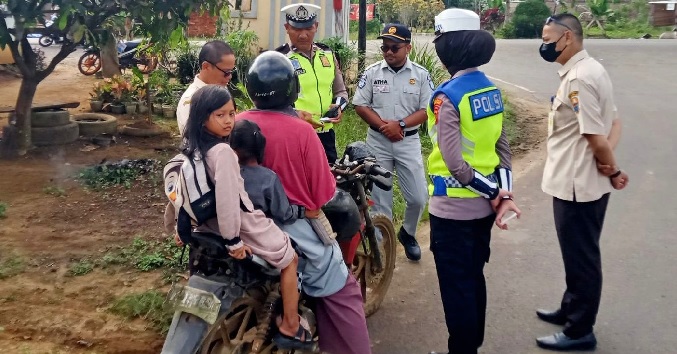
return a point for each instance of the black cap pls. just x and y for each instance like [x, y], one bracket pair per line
[271, 82]
[396, 32]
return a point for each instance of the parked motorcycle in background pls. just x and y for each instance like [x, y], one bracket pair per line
[130, 54]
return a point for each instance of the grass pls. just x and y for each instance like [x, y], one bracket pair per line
[144, 255]
[101, 177]
[627, 30]
[82, 267]
[147, 306]
[54, 191]
[3, 210]
[11, 266]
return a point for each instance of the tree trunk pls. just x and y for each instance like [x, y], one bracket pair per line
[110, 66]
[23, 113]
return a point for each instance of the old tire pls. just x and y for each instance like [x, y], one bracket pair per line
[63, 134]
[93, 124]
[52, 118]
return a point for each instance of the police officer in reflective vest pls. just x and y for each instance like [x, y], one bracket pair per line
[470, 177]
[320, 78]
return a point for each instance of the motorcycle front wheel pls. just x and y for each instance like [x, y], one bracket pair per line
[89, 63]
[374, 281]
[45, 41]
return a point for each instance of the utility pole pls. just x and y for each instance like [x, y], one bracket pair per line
[362, 36]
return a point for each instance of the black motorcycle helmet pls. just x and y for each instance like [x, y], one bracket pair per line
[343, 215]
[271, 82]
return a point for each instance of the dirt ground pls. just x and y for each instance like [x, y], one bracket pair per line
[42, 309]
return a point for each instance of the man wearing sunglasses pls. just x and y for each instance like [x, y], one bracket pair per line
[580, 172]
[391, 97]
[217, 67]
[320, 78]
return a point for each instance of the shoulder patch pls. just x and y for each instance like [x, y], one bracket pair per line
[363, 81]
[437, 103]
[431, 83]
[573, 97]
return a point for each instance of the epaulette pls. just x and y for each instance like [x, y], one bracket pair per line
[284, 49]
[418, 66]
[323, 46]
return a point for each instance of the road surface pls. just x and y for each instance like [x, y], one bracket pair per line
[638, 312]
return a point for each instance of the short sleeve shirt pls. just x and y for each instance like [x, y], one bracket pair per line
[394, 95]
[583, 104]
[183, 108]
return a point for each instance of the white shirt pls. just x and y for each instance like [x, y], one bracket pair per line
[183, 109]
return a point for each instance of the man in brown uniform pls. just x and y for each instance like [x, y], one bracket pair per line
[580, 172]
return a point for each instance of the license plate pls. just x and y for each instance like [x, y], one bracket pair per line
[197, 302]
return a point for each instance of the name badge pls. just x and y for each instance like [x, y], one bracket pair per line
[381, 88]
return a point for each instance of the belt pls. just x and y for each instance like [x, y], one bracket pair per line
[406, 132]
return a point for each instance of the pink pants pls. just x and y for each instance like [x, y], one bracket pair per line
[341, 321]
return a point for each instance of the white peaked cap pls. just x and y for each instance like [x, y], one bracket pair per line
[452, 20]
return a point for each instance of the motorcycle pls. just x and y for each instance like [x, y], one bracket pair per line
[227, 306]
[130, 54]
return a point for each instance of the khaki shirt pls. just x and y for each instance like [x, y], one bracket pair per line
[583, 105]
[183, 108]
[394, 95]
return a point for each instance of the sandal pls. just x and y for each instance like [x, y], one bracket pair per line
[302, 340]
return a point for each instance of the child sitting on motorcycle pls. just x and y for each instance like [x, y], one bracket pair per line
[261, 183]
[263, 186]
[245, 229]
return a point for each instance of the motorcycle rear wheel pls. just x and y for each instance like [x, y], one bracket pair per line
[89, 64]
[237, 331]
[375, 282]
[45, 41]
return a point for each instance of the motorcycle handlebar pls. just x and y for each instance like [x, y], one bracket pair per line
[376, 170]
[382, 182]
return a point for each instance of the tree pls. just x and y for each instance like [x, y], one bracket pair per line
[162, 21]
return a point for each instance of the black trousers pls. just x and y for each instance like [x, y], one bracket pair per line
[579, 226]
[328, 140]
[461, 249]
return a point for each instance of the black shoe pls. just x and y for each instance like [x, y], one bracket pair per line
[555, 317]
[411, 247]
[560, 341]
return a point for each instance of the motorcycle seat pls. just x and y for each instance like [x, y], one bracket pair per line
[129, 45]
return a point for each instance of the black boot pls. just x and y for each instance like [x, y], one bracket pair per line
[411, 247]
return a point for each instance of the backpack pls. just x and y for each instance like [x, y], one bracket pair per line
[191, 192]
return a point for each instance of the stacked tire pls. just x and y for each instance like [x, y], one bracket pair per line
[53, 127]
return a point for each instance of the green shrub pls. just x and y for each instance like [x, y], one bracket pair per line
[529, 18]
[374, 28]
[3, 210]
[186, 64]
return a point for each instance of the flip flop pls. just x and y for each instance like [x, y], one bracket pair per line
[302, 340]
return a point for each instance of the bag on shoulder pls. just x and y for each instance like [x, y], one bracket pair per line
[191, 191]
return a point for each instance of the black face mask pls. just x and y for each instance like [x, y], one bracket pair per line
[549, 51]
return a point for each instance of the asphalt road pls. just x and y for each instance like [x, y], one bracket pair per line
[638, 312]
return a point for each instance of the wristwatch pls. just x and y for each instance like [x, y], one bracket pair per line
[402, 124]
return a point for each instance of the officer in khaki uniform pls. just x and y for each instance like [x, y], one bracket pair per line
[320, 78]
[580, 172]
[391, 97]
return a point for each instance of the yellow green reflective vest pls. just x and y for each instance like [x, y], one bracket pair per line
[316, 78]
[480, 107]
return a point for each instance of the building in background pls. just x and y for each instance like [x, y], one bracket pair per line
[266, 19]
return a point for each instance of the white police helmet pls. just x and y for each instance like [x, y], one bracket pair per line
[452, 20]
